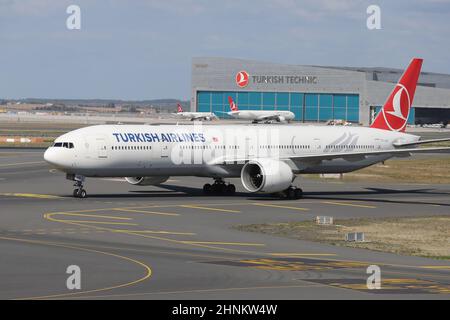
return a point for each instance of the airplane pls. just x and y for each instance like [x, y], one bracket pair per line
[259, 115]
[194, 115]
[267, 158]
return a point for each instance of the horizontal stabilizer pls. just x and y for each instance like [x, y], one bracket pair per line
[420, 142]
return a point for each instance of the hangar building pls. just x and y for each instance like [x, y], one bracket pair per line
[312, 93]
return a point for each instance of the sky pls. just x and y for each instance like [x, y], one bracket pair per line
[142, 49]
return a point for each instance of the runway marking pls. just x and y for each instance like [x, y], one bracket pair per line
[299, 263]
[147, 274]
[349, 204]
[225, 243]
[208, 208]
[436, 267]
[49, 216]
[31, 195]
[301, 254]
[389, 285]
[91, 215]
[20, 163]
[147, 212]
[101, 222]
[77, 223]
[158, 232]
[280, 206]
[202, 291]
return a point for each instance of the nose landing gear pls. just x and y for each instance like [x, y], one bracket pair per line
[79, 191]
[219, 187]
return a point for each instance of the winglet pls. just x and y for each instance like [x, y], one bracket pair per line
[394, 114]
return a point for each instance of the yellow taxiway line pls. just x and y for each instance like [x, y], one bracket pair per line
[98, 222]
[301, 254]
[280, 206]
[349, 204]
[31, 195]
[225, 243]
[91, 215]
[436, 267]
[147, 274]
[158, 232]
[209, 208]
[145, 211]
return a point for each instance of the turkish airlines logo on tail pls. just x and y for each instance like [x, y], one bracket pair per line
[180, 108]
[242, 78]
[395, 112]
[233, 105]
[397, 108]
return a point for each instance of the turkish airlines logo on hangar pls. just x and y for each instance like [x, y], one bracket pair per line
[242, 78]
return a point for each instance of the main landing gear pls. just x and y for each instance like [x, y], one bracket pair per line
[79, 191]
[292, 193]
[219, 187]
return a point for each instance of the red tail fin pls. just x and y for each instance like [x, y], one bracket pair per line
[179, 108]
[233, 105]
[395, 112]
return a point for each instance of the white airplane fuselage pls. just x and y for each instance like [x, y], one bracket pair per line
[197, 150]
[195, 115]
[262, 115]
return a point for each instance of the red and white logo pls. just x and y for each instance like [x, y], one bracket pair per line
[396, 110]
[242, 78]
[179, 108]
[233, 105]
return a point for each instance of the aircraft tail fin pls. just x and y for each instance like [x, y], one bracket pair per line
[233, 105]
[179, 108]
[394, 114]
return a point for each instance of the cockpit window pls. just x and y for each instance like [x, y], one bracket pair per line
[68, 145]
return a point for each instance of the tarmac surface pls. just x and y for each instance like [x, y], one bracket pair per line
[172, 242]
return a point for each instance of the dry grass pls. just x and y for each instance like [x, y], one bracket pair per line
[417, 236]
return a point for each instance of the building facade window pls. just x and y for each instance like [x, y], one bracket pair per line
[305, 106]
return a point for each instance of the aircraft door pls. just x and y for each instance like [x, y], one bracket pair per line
[102, 148]
[164, 151]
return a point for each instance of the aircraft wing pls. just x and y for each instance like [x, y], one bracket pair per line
[342, 155]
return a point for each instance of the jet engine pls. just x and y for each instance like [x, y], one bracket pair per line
[266, 175]
[146, 181]
[281, 119]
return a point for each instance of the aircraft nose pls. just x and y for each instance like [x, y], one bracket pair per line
[50, 156]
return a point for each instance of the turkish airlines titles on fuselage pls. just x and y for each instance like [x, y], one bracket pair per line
[202, 144]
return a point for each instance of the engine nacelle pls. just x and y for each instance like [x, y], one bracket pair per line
[146, 181]
[266, 175]
[281, 119]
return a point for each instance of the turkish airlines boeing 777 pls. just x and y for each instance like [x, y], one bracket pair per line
[259, 115]
[194, 115]
[266, 157]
